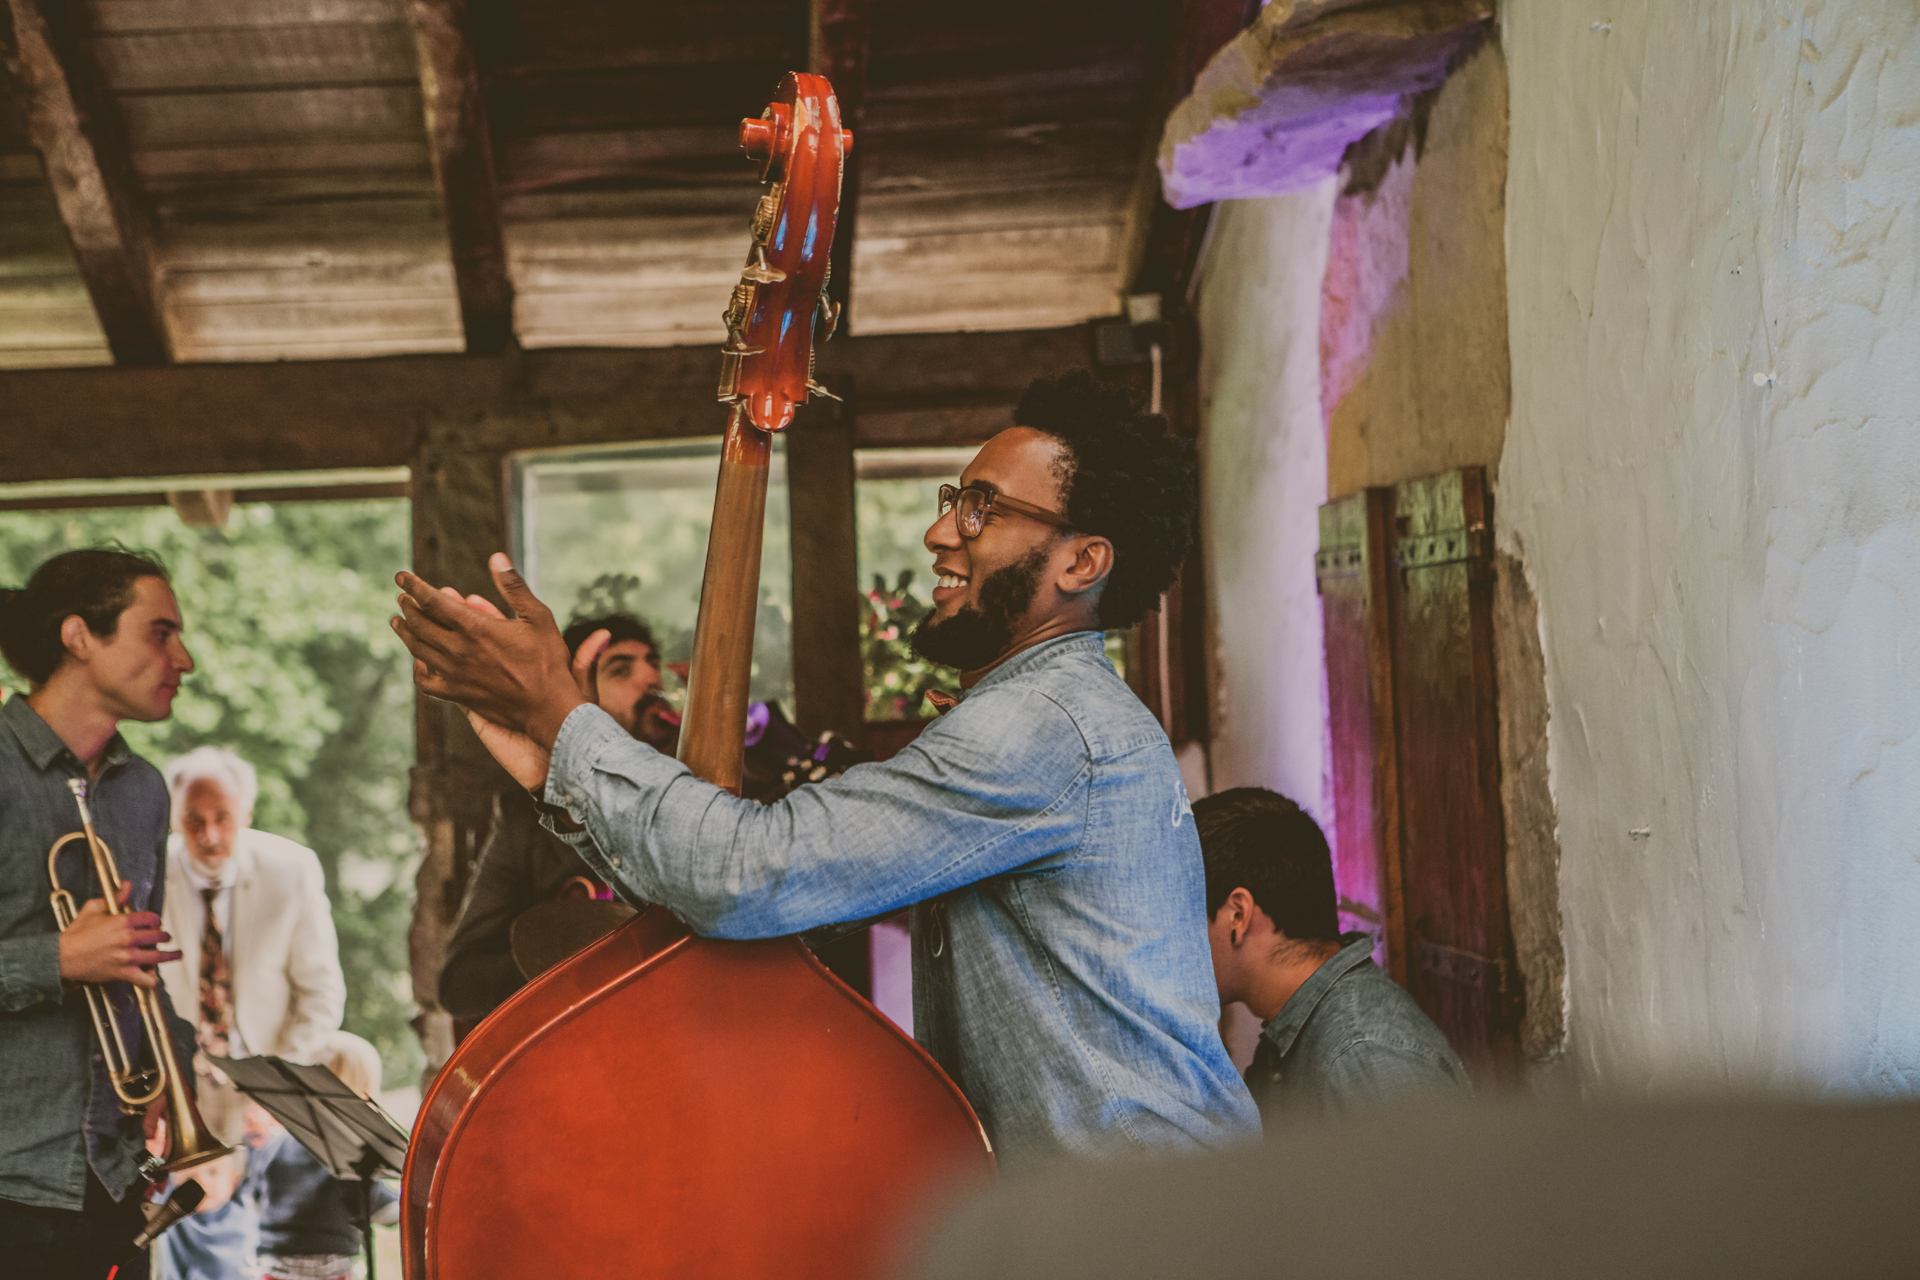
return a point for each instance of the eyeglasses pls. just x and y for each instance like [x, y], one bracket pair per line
[970, 506]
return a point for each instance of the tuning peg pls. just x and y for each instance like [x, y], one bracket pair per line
[739, 307]
[765, 214]
[815, 389]
[829, 318]
[756, 138]
[759, 271]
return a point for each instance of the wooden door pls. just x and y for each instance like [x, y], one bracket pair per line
[1407, 573]
[1453, 842]
[1354, 569]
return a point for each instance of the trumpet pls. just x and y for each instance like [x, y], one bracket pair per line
[137, 1087]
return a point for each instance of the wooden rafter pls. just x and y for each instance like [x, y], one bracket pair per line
[75, 129]
[224, 419]
[838, 39]
[460, 140]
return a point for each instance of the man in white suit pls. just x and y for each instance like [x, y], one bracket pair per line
[259, 970]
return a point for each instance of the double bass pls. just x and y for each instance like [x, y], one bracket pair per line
[662, 1104]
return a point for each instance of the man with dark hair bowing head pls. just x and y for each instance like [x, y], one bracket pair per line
[1039, 830]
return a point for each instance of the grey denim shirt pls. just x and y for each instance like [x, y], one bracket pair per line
[1041, 834]
[58, 1113]
[1349, 1038]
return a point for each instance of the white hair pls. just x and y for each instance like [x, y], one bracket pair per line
[214, 764]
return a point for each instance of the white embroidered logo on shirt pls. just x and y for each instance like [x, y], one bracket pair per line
[1181, 806]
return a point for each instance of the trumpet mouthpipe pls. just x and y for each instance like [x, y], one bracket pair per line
[79, 788]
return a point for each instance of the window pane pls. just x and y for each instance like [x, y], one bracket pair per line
[626, 528]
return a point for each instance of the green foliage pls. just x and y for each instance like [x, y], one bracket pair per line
[297, 670]
[608, 593]
[897, 677]
[892, 517]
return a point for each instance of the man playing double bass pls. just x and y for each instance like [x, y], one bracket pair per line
[1039, 830]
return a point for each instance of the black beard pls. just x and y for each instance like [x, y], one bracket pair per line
[976, 635]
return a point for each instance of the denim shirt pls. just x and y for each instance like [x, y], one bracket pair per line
[1349, 1038]
[58, 1114]
[1041, 834]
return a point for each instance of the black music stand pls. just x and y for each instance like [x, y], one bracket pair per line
[350, 1135]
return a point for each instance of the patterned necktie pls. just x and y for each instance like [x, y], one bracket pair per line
[215, 991]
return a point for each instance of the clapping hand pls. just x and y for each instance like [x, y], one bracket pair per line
[512, 676]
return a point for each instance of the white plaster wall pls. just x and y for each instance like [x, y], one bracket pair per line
[1713, 470]
[1264, 476]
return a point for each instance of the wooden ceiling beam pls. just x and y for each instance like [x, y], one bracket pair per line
[460, 139]
[77, 132]
[1162, 244]
[839, 38]
[231, 419]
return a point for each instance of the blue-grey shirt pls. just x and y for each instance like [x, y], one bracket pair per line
[209, 1245]
[58, 1113]
[305, 1211]
[1041, 834]
[1350, 1038]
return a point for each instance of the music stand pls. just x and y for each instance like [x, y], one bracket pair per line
[349, 1135]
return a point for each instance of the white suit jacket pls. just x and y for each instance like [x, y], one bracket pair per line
[283, 959]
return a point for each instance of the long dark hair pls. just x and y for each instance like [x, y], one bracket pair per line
[95, 584]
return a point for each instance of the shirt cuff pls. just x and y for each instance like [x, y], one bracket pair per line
[584, 734]
[29, 972]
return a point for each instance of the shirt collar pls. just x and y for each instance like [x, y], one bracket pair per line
[202, 881]
[1027, 659]
[197, 876]
[42, 745]
[1284, 1027]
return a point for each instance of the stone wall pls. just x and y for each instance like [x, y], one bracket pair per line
[1712, 474]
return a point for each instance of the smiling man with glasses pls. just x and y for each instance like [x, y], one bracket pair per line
[1038, 830]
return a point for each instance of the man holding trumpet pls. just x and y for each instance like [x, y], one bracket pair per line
[96, 636]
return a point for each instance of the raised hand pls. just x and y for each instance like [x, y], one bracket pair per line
[511, 675]
[100, 947]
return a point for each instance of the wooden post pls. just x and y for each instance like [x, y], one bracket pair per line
[829, 686]
[459, 518]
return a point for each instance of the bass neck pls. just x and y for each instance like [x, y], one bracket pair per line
[713, 728]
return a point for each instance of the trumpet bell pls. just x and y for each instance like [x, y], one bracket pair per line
[204, 1150]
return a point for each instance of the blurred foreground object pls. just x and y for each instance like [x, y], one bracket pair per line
[1724, 1188]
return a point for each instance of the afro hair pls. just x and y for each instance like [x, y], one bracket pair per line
[1127, 476]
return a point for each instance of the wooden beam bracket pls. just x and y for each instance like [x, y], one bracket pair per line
[77, 132]
[459, 136]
